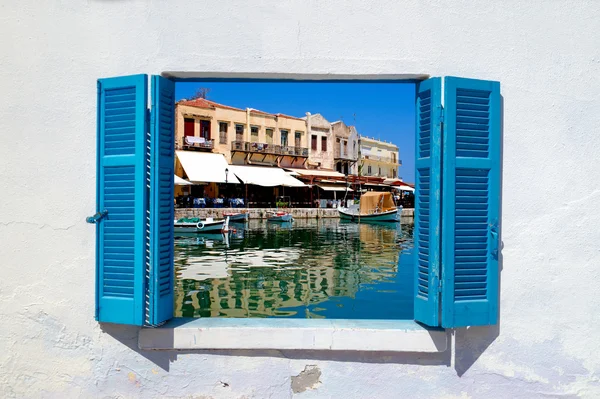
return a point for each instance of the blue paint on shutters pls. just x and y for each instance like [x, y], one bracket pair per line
[471, 189]
[161, 171]
[121, 190]
[428, 198]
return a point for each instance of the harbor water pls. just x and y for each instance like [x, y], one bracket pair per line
[310, 268]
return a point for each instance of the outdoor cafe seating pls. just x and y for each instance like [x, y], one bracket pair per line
[206, 202]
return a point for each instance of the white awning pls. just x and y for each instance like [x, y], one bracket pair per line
[316, 172]
[205, 167]
[405, 188]
[333, 187]
[265, 176]
[181, 182]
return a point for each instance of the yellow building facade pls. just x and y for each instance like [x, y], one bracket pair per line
[243, 136]
[378, 158]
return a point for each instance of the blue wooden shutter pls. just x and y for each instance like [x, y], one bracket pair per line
[121, 190]
[427, 198]
[471, 189]
[161, 172]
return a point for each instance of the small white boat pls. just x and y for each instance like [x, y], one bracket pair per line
[279, 216]
[195, 225]
[236, 216]
[374, 207]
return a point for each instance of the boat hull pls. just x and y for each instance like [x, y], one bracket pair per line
[200, 227]
[280, 218]
[237, 217]
[389, 216]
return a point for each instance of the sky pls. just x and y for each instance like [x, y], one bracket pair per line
[385, 111]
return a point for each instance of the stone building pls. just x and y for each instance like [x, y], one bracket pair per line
[345, 150]
[243, 136]
[320, 153]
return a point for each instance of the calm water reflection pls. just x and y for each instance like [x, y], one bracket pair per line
[309, 269]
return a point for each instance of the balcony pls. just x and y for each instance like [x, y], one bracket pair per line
[383, 159]
[196, 143]
[268, 149]
[340, 154]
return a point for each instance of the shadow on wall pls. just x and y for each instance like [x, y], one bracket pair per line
[128, 336]
[470, 343]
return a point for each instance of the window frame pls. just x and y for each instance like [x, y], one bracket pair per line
[243, 131]
[269, 137]
[172, 323]
[223, 138]
[284, 133]
[252, 135]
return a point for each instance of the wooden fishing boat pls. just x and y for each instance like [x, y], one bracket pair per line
[374, 207]
[279, 216]
[236, 216]
[196, 225]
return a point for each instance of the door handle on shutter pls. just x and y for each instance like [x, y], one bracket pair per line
[97, 217]
[494, 234]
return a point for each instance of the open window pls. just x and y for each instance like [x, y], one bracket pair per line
[457, 176]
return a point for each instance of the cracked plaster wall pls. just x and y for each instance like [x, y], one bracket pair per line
[545, 54]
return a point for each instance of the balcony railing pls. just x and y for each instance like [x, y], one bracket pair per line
[380, 158]
[200, 143]
[338, 153]
[268, 149]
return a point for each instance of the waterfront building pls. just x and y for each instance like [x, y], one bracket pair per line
[320, 154]
[378, 158]
[244, 136]
[345, 150]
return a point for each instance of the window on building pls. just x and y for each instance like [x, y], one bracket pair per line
[205, 129]
[188, 127]
[313, 142]
[269, 134]
[223, 132]
[447, 293]
[394, 173]
[323, 144]
[254, 134]
[379, 174]
[345, 148]
[239, 132]
[369, 170]
[298, 139]
[284, 137]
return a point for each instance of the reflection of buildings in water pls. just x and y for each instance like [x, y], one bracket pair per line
[332, 260]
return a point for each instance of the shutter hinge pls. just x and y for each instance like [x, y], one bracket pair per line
[441, 116]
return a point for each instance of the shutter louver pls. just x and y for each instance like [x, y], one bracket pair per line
[427, 206]
[121, 191]
[471, 187]
[162, 152]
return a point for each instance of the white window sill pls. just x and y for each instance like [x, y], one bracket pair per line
[293, 334]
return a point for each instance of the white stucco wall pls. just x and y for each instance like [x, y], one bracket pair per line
[546, 54]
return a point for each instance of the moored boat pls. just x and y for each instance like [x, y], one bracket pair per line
[279, 216]
[236, 216]
[374, 207]
[196, 225]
